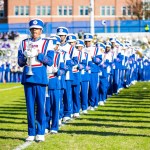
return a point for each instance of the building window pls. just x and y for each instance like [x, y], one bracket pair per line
[81, 10]
[129, 10]
[43, 10]
[48, 10]
[103, 10]
[123, 11]
[70, 10]
[16, 10]
[27, 10]
[113, 10]
[107, 10]
[38, 10]
[21, 10]
[64, 10]
[1, 8]
[84, 10]
[126, 10]
[60, 10]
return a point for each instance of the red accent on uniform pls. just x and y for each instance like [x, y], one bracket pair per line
[24, 45]
[70, 49]
[56, 56]
[52, 76]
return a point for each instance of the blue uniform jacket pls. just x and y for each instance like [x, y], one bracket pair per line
[39, 73]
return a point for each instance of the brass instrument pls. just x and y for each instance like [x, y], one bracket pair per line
[29, 48]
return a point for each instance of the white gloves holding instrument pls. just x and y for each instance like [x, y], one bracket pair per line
[54, 69]
[30, 54]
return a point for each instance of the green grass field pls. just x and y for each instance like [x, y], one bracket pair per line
[122, 124]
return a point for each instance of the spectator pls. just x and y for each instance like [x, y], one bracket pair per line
[146, 28]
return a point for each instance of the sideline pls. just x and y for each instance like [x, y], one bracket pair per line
[11, 88]
[23, 146]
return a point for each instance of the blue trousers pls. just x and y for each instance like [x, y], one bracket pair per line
[52, 113]
[76, 98]
[103, 86]
[93, 89]
[61, 106]
[84, 94]
[1, 76]
[35, 94]
[7, 76]
[110, 84]
[67, 99]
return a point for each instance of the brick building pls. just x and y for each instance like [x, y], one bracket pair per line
[21, 11]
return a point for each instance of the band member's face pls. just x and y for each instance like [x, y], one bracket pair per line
[72, 43]
[88, 43]
[80, 48]
[36, 32]
[62, 38]
[107, 49]
[112, 44]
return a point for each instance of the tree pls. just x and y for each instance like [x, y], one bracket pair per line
[140, 10]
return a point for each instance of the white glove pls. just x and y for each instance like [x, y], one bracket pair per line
[54, 69]
[28, 53]
[34, 52]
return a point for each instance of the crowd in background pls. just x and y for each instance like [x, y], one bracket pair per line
[8, 35]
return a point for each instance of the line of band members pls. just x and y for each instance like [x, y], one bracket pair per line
[83, 75]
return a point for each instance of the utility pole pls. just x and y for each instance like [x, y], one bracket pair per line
[91, 11]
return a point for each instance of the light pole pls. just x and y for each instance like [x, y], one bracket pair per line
[91, 10]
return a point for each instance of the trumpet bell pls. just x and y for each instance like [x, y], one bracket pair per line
[30, 73]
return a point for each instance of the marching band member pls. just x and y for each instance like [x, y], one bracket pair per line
[69, 62]
[113, 74]
[103, 75]
[84, 75]
[75, 56]
[117, 62]
[64, 56]
[54, 87]
[34, 54]
[93, 83]
[109, 58]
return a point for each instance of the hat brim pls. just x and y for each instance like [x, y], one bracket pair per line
[79, 45]
[61, 33]
[88, 40]
[71, 40]
[113, 41]
[36, 26]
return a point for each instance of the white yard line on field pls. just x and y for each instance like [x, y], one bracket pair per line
[11, 88]
[23, 146]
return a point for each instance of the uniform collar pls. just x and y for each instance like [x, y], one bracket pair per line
[36, 39]
[63, 44]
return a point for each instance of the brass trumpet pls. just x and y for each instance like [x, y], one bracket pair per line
[29, 48]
